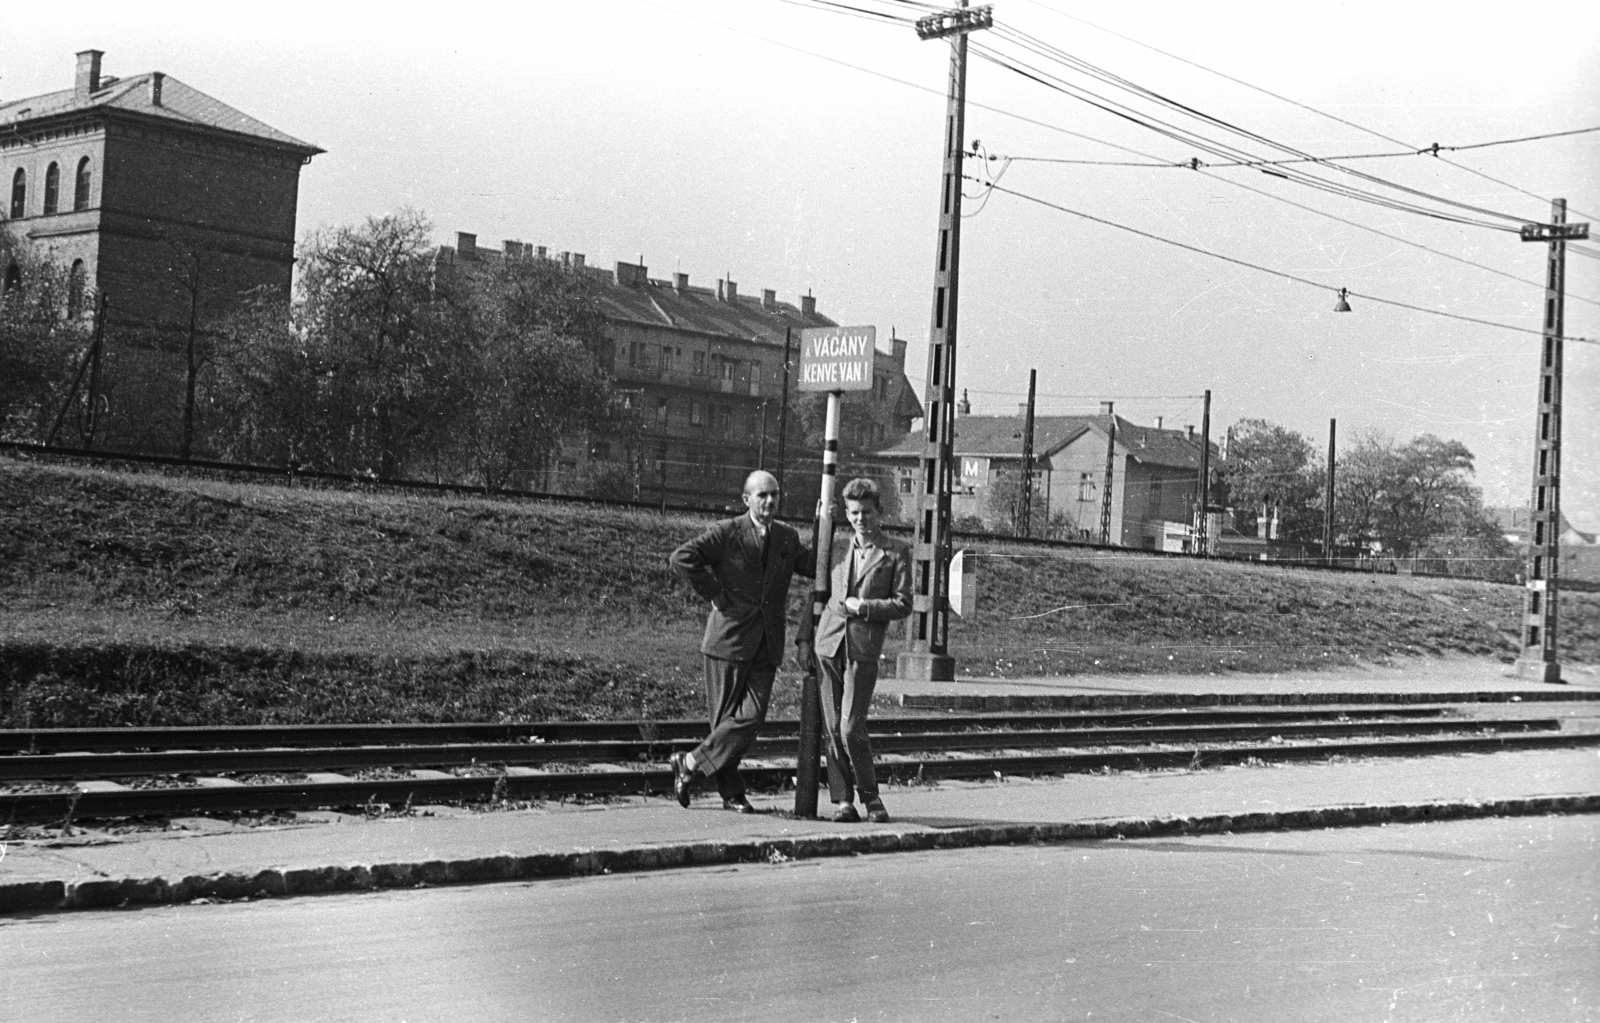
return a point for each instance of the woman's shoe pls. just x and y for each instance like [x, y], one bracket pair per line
[846, 814]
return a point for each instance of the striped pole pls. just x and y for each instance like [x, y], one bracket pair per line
[808, 775]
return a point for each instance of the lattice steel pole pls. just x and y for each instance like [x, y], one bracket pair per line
[926, 657]
[1025, 512]
[1111, 463]
[1542, 575]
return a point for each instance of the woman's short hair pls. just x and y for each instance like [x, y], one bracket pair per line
[863, 489]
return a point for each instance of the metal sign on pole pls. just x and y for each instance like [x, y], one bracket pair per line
[835, 360]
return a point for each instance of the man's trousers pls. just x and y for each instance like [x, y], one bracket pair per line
[737, 694]
[846, 696]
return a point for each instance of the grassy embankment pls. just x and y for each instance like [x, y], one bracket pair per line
[143, 599]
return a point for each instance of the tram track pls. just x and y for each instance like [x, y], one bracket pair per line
[58, 774]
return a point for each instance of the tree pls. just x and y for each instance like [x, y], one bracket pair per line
[540, 368]
[1417, 499]
[41, 344]
[1268, 465]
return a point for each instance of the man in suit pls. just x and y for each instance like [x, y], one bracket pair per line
[870, 587]
[744, 567]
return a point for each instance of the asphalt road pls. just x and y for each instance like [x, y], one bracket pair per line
[1466, 921]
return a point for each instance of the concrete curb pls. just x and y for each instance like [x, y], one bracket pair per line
[47, 896]
[975, 703]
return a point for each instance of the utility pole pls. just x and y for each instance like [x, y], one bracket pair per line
[1327, 499]
[783, 416]
[1202, 530]
[926, 657]
[1025, 512]
[1542, 576]
[1111, 461]
[761, 448]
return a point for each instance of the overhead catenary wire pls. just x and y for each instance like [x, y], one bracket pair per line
[1203, 169]
[1430, 150]
[1053, 53]
[1193, 140]
[1303, 106]
[1278, 273]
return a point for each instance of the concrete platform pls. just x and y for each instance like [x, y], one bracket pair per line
[329, 852]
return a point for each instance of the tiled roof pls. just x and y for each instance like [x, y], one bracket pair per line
[696, 308]
[1001, 437]
[660, 303]
[179, 103]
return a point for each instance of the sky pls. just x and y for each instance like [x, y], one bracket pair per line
[794, 147]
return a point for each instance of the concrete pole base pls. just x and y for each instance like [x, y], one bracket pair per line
[920, 667]
[1534, 668]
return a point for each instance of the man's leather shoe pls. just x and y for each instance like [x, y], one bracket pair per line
[682, 780]
[876, 813]
[739, 804]
[846, 814]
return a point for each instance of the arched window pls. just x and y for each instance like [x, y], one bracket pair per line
[75, 282]
[19, 198]
[80, 190]
[52, 187]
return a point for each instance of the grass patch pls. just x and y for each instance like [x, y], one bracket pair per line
[151, 599]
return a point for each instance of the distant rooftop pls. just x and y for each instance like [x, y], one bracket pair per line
[630, 294]
[1001, 437]
[152, 94]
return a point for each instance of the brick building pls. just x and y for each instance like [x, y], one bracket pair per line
[704, 368]
[158, 197]
[1154, 480]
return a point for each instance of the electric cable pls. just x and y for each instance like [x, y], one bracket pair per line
[1194, 140]
[1346, 292]
[1302, 106]
[1050, 52]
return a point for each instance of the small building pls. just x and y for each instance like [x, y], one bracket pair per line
[1154, 479]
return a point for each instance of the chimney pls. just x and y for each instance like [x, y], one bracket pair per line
[566, 258]
[722, 291]
[963, 407]
[577, 261]
[733, 291]
[808, 305]
[512, 249]
[1189, 432]
[1105, 408]
[1158, 421]
[680, 281]
[540, 252]
[156, 80]
[769, 299]
[466, 244]
[898, 344]
[635, 274]
[88, 73]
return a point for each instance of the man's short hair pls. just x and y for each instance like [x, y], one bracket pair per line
[863, 489]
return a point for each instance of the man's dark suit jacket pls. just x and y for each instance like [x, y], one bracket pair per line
[724, 565]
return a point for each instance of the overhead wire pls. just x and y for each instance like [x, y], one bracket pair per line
[1050, 52]
[1431, 150]
[1196, 141]
[1359, 226]
[1303, 106]
[1279, 273]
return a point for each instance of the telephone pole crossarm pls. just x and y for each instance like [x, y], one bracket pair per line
[956, 21]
